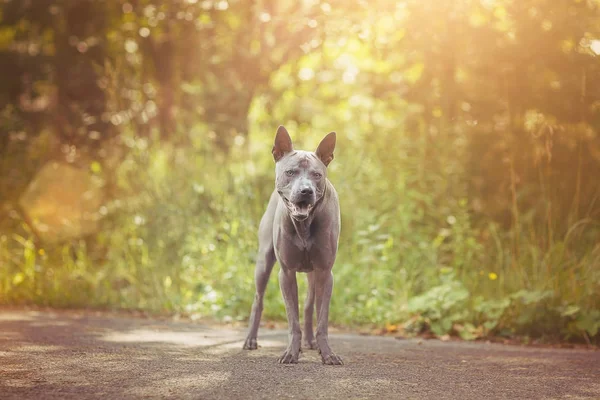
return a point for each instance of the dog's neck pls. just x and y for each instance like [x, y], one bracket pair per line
[303, 230]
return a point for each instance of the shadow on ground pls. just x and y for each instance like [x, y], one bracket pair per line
[58, 355]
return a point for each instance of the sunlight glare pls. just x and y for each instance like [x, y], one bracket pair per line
[595, 46]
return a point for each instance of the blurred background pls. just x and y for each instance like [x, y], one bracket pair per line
[135, 156]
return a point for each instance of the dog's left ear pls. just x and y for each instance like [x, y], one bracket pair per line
[326, 147]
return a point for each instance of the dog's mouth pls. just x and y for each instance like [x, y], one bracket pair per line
[299, 210]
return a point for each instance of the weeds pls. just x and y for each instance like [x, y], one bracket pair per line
[181, 237]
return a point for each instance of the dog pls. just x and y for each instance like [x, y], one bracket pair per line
[300, 229]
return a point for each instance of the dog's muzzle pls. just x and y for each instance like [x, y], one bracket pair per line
[301, 208]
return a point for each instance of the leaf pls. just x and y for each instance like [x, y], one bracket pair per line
[531, 297]
[489, 325]
[570, 311]
[414, 73]
[438, 329]
[96, 167]
[390, 328]
[467, 335]
[589, 322]
[18, 278]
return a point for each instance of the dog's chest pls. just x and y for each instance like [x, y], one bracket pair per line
[304, 262]
[297, 255]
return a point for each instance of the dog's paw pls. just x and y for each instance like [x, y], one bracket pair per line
[332, 359]
[250, 344]
[289, 357]
[310, 344]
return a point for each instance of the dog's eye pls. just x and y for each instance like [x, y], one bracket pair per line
[289, 172]
[317, 175]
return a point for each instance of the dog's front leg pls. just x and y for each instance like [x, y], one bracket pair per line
[309, 305]
[289, 290]
[324, 288]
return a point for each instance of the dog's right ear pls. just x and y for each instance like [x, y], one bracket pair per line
[283, 143]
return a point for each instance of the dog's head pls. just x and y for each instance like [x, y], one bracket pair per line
[300, 176]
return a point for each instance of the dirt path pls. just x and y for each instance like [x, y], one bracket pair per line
[70, 355]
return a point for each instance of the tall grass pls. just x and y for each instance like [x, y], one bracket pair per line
[180, 236]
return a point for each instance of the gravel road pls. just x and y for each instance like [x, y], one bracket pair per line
[87, 355]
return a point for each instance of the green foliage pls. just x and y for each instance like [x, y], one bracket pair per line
[466, 164]
[180, 236]
[441, 306]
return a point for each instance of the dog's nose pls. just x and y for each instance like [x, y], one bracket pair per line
[306, 191]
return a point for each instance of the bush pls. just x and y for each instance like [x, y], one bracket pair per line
[180, 236]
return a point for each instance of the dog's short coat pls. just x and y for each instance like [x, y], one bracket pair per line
[300, 229]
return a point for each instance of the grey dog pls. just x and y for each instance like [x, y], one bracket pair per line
[300, 229]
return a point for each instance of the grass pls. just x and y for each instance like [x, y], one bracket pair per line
[181, 237]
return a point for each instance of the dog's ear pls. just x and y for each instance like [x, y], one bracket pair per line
[283, 143]
[326, 147]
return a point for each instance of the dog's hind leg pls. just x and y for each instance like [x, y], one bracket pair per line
[264, 265]
[309, 341]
